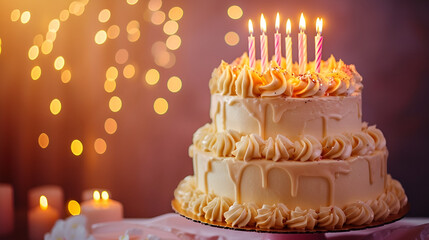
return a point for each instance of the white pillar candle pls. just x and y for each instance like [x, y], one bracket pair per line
[101, 210]
[52, 192]
[41, 219]
[6, 209]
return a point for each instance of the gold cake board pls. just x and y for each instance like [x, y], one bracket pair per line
[390, 219]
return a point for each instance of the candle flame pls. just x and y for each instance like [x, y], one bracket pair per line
[263, 24]
[319, 25]
[96, 195]
[302, 23]
[288, 27]
[104, 195]
[43, 202]
[277, 22]
[250, 27]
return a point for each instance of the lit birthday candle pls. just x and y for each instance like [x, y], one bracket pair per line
[318, 42]
[302, 45]
[277, 42]
[264, 45]
[288, 42]
[251, 46]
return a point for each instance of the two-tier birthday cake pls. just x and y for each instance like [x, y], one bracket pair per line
[288, 151]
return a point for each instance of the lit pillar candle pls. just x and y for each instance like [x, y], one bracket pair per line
[54, 193]
[288, 43]
[88, 194]
[6, 209]
[251, 46]
[264, 45]
[278, 42]
[302, 45]
[318, 42]
[101, 210]
[41, 219]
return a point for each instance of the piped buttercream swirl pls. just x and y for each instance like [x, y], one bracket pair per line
[377, 135]
[362, 143]
[247, 83]
[241, 215]
[302, 219]
[396, 188]
[185, 191]
[392, 201]
[331, 217]
[380, 208]
[198, 202]
[222, 143]
[308, 85]
[272, 216]
[276, 83]
[358, 213]
[279, 149]
[307, 148]
[336, 147]
[216, 208]
[249, 147]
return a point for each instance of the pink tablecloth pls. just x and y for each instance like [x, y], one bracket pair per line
[173, 226]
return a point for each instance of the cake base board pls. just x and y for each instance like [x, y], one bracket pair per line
[390, 219]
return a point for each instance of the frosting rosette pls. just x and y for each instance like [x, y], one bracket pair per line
[185, 190]
[359, 213]
[216, 208]
[308, 148]
[198, 202]
[331, 217]
[222, 143]
[362, 143]
[249, 147]
[396, 188]
[247, 83]
[392, 201]
[276, 83]
[241, 215]
[377, 136]
[308, 85]
[336, 147]
[272, 216]
[201, 133]
[302, 219]
[279, 149]
[380, 208]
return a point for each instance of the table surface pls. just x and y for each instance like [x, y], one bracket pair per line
[173, 226]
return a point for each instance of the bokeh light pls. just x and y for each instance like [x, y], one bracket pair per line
[121, 56]
[174, 84]
[134, 36]
[36, 72]
[154, 5]
[100, 37]
[173, 42]
[76, 147]
[54, 25]
[104, 15]
[109, 86]
[55, 106]
[113, 31]
[112, 73]
[74, 207]
[160, 106]
[77, 8]
[235, 12]
[14, 15]
[157, 17]
[66, 76]
[59, 63]
[232, 38]
[175, 13]
[129, 71]
[133, 26]
[43, 140]
[100, 146]
[115, 104]
[47, 47]
[33, 52]
[152, 76]
[51, 36]
[38, 40]
[110, 126]
[25, 17]
[64, 15]
[132, 2]
[171, 27]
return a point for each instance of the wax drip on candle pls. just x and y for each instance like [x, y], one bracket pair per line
[277, 41]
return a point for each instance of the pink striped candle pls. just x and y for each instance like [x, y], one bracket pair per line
[318, 41]
[264, 45]
[278, 42]
[288, 41]
[251, 46]
[302, 45]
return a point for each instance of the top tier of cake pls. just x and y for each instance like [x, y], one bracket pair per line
[279, 102]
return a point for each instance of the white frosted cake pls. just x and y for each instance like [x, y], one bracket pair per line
[289, 151]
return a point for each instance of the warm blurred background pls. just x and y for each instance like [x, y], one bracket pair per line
[108, 93]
